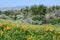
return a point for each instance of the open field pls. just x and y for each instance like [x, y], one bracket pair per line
[30, 20]
[14, 30]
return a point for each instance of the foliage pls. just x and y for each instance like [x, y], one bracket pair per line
[55, 21]
[35, 12]
[10, 31]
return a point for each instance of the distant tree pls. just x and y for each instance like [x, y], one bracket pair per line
[42, 10]
[25, 11]
[34, 10]
[39, 12]
[0, 12]
[7, 12]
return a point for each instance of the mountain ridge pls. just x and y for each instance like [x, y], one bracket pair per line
[11, 8]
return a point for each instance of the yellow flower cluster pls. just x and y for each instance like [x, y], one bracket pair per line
[48, 28]
[8, 28]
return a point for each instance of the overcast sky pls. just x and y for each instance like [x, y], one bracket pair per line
[14, 3]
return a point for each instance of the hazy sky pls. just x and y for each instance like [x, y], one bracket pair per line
[14, 3]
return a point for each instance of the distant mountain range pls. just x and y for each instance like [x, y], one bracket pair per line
[10, 8]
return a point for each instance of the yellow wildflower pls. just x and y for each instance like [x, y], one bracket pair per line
[13, 24]
[46, 28]
[25, 27]
[51, 29]
[0, 25]
[5, 22]
[30, 37]
[8, 28]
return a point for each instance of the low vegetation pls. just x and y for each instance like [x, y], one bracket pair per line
[14, 31]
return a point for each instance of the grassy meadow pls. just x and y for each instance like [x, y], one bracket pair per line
[29, 20]
[14, 30]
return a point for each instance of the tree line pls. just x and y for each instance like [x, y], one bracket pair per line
[37, 13]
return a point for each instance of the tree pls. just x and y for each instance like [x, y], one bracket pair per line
[25, 11]
[42, 10]
[7, 12]
[0, 12]
[34, 10]
[39, 12]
